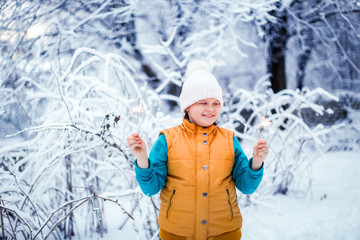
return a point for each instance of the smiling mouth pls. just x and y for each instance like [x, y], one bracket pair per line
[208, 115]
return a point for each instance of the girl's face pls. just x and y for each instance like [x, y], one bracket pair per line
[204, 112]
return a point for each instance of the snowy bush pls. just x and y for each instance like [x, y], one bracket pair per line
[293, 143]
[76, 157]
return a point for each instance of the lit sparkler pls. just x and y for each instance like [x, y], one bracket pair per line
[137, 109]
[265, 123]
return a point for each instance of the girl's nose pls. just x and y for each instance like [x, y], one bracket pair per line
[210, 108]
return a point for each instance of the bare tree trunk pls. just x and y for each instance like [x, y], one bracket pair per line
[304, 58]
[181, 35]
[100, 224]
[277, 38]
[2, 220]
[306, 44]
[69, 228]
[129, 28]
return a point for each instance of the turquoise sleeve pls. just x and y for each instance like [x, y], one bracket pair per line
[246, 179]
[151, 180]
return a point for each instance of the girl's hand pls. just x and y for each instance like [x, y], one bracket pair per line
[138, 148]
[260, 152]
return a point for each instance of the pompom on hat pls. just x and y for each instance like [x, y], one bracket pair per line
[199, 84]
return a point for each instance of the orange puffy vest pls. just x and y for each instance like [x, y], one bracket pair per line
[199, 199]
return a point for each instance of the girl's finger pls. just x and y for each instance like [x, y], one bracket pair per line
[262, 148]
[262, 144]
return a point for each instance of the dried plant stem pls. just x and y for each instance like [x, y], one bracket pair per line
[277, 156]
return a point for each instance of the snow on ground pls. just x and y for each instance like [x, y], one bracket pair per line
[331, 211]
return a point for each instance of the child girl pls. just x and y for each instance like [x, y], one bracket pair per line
[197, 166]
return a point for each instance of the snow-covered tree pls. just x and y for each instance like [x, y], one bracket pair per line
[320, 38]
[77, 77]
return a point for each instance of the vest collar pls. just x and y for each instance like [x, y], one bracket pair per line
[193, 128]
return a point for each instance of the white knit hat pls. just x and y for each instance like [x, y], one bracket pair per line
[199, 84]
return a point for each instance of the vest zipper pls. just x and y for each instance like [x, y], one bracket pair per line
[231, 210]
[168, 210]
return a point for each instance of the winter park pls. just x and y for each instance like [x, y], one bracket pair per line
[97, 96]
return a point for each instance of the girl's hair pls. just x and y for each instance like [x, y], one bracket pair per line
[186, 116]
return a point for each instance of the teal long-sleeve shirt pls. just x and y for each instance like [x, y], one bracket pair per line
[153, 179]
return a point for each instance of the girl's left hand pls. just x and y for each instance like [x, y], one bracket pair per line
[260, 152]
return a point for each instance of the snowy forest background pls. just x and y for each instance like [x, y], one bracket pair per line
[77, 77]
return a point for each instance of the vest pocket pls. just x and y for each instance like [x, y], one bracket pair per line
[229, 201]
[170, 202]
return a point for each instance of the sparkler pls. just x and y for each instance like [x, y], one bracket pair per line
[137, 109]
[265, 123]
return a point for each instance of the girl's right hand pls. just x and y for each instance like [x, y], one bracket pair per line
[138, 148]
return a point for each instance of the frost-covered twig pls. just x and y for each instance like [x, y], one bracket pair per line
[166, 45]
[57, 77]
[345, 54]
[7, 209]
[79, 203]
[39, 129]
[117, 203]
[83, 200]
[27, 197]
